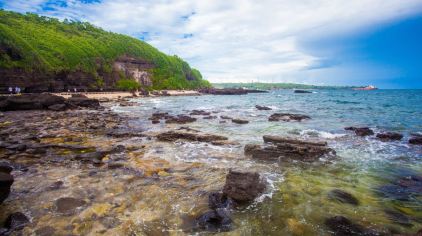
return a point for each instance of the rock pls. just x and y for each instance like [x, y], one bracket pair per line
[302, 91]
[416, 140]
[30, 102]
[56, 185]
[45, 231]
[172, 136]
[389, 136]
[291, 149]
[363, 131]
[403, 189]
[398, 217]
[57, 107]
[83, 102]
[127, 104]
[17, 147]
[16, 221]
[5, 168]
[262, 108]
[68, 205]
[226, 117]
[219, 200]
[240, 121]
[179, 119]
[214, 221]
[94, 157]
[341, 226]
[6, 181]
[199, 113]
[243, 186]
[288, 117]
[78, 95]
[343, 197]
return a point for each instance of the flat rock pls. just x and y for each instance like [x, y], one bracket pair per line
[57, 107]
[343, 197]
[361, 131]
[243, 186]
[281, 140]
[288, 117]
[172, 136]
[68, 204]
[179, 119]
[225, 117]
[389, 136]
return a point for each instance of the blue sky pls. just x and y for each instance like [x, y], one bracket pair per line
[320, 42]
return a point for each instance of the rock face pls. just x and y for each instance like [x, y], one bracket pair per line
[6, 181]
[172, 136]
[280, 148]
[416, 140]
[302, 91]
[288, 117]
[262, 108]
[243, 186]
[240, 121]
[363, 131]
[343, 197]
[389, 136]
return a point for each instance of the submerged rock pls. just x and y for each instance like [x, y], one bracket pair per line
[403, 189]
[341, 226]
[243, 186]
[416, 140]
[389, 136]
[219, 200]
[363, 131]
[343, 197]
[398, 217]
[16, 221]
[68, 205]
[262, 108]
[240, 121]
[288, 117]
[172, 136]
[215, 221]
[6, 181]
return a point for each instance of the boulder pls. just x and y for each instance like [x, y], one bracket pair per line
[416, 140]
[362, 131]
[172, 136]
[262, 108]
[389, 136]
[243, 186]
[240, 121]
[68, 205]
[16, 221]
[6, 181]
[288, 117]
[343, 197]
[5, 168]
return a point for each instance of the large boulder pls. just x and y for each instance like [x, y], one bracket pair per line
[30, 102]
[240, 121]
[243, 186]
[288, 117]
[172, 136]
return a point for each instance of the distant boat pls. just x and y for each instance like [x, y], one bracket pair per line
[369, 87]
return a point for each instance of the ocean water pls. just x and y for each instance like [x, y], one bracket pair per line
[297, 202]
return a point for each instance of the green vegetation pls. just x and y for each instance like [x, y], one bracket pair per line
[128, 85]
[269, 86]
[46, 45]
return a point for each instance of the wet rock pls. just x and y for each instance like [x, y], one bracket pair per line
[215, 221]
[6, 181]
[68, 205]
[172, 136]
[219, 200]
[115, 165]
[262, 108]
[240, 121]
[155, 121]
[5, 168]
[363, 131]
[199, 113]
[159, 115]
[57, 107]
[302, 91]
[288, 149]
[30, 102]
[398, 217]
[243, 186]
[389, 136]
[416, 140]
[127, 104]
[95, 157]
[341, 226]
[288, 117]
[343, 197]
[56, 185]
[16, 221]
[83, 102]
[17, 147]
[403, 189]
[45, 231]
[180, 119]
[210, 117]
[226, 117]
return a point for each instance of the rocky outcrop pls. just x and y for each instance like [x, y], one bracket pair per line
[136, 69]
[243, 186]
[280, 148]
[172, 136]
[288, 117]
[362, 131]
[389, 136]
[16, 221]
[199, 113]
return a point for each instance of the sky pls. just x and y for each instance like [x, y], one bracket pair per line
[321, 42]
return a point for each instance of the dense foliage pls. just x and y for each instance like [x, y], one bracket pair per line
[43, 44]
[269, 86]
[128, 85]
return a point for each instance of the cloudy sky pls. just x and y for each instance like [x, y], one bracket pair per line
[324, 42]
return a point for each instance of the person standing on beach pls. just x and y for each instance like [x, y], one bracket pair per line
[16, 90]
[10, 90]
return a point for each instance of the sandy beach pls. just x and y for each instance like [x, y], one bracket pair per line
[117, 95]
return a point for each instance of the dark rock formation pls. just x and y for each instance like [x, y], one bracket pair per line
[6, 181]
[16, 221]
[287, 117]
[219, 200]
[343, 197]
[83, 102]
[68, 205]
[243, 186]
[180, 119]
[416, 140]
[172, 136]
[262, 108]
[240, 121]
[215, 221]
[341, 226]
[389, 136]
[363, 131]
[302, 91]
[229, 91]
[199, 113]
[288, 149]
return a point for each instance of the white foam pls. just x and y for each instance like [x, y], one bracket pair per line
[321, 134]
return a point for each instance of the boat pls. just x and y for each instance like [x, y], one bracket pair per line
[369, 87]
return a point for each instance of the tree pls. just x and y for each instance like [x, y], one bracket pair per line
[128, 85]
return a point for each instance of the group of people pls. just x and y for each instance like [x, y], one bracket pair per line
[16, 90]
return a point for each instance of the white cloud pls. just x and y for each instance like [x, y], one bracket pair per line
[238, 40]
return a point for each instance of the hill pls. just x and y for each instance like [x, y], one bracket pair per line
[39, 53]
[269, 86]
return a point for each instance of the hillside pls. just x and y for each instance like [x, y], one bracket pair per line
[269, 86]
[40, 53]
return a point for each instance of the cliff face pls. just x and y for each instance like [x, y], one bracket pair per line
[39, 81]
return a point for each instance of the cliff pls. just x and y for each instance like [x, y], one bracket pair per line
[39, 54]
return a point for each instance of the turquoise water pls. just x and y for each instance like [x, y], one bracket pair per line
[296, 202]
